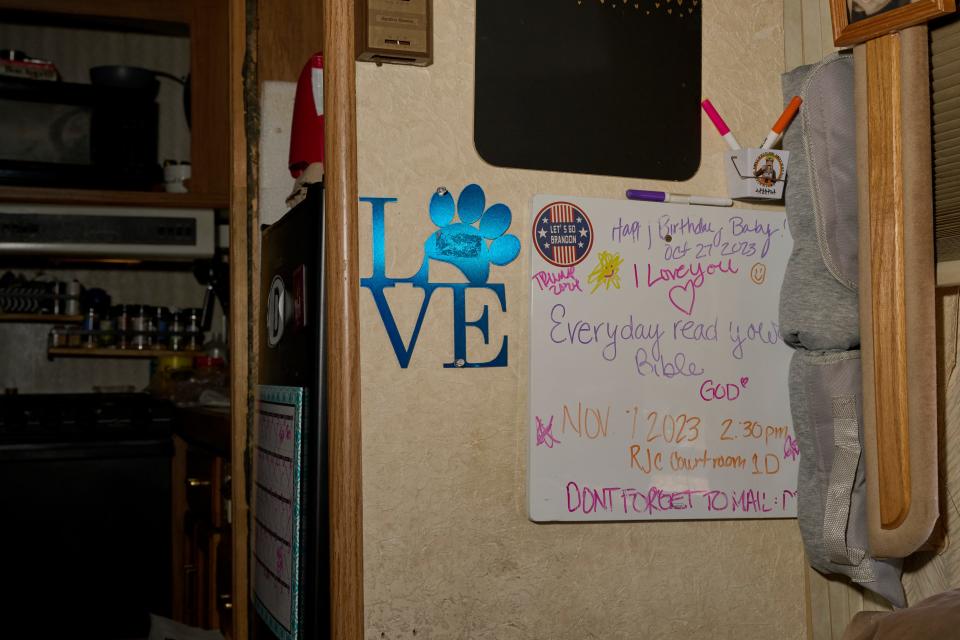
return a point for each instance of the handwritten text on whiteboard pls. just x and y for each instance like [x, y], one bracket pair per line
[658, 373]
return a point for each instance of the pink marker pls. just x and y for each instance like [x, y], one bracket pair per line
[721, 126]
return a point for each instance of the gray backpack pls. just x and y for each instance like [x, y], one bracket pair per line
[819, 318]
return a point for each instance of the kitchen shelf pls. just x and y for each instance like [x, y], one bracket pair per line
[40, 317]
[106, 352]
[37, 195]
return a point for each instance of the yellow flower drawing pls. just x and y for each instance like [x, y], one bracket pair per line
[607, 272]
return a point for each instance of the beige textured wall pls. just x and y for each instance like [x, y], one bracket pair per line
[449, 551]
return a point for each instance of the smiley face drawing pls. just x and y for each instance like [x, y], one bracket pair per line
[758, 273]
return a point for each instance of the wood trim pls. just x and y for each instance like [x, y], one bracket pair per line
[216, 519]
[178, 506]
[288, 33]
[917, 12]
[210, 101]
[887, 279]
[341, 328]
[240, 331]
[909, 269]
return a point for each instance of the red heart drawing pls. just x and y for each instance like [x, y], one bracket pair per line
[744, 380]
[679, 299]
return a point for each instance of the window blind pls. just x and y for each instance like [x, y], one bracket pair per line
[945, 103]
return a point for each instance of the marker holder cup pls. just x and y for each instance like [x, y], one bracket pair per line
[756, 174]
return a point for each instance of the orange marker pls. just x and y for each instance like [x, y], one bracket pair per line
[777, 130]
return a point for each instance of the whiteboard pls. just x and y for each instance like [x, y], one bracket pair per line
[658, 377]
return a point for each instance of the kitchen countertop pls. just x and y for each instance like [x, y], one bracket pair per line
[207, 427]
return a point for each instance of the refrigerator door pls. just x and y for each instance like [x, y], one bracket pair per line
[289, 564]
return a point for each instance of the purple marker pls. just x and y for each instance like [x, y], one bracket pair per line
[646, 196]
[678, 198]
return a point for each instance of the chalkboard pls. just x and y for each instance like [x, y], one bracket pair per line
[606, 87]
[658, 377]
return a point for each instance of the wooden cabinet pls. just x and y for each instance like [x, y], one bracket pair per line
[202, 530]
[207, 23]
[220, 60]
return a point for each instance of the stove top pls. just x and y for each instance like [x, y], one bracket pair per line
[83, 417]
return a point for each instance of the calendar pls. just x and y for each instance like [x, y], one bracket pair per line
[276, 506]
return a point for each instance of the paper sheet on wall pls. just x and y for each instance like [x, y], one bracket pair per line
[658, 378]
[276, 529]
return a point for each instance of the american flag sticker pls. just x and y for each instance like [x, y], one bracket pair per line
[562, 234]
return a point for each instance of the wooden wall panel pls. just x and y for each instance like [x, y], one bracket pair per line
[210, 104]
[341, 324]
[888, 283]
[241, 224]
[289, 32]
[897, 295]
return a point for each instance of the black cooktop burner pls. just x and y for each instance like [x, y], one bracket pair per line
[83, 417]
[85, 499]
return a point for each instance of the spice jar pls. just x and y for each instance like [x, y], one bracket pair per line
[91, 323]
[161, 328]
[175, 329]
[140, 324]
[121, 325]
[192, 337]
[72, 300]
[58, 336]
[107, 335]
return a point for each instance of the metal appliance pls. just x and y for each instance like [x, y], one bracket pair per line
[62, 134]
[85, 544]
[291, 359]
[106, 232]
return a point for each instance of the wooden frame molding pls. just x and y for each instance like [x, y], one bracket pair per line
[209, 135]
[341, 281]
[846, 33]
[897, 291]
[887, 279]
[242, 222]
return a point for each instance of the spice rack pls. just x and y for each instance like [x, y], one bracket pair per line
[112, 352]
[40, 317]
[129, 331]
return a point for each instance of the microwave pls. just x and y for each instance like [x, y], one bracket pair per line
[69, 135]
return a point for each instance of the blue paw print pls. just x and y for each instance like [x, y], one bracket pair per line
[464, 245]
